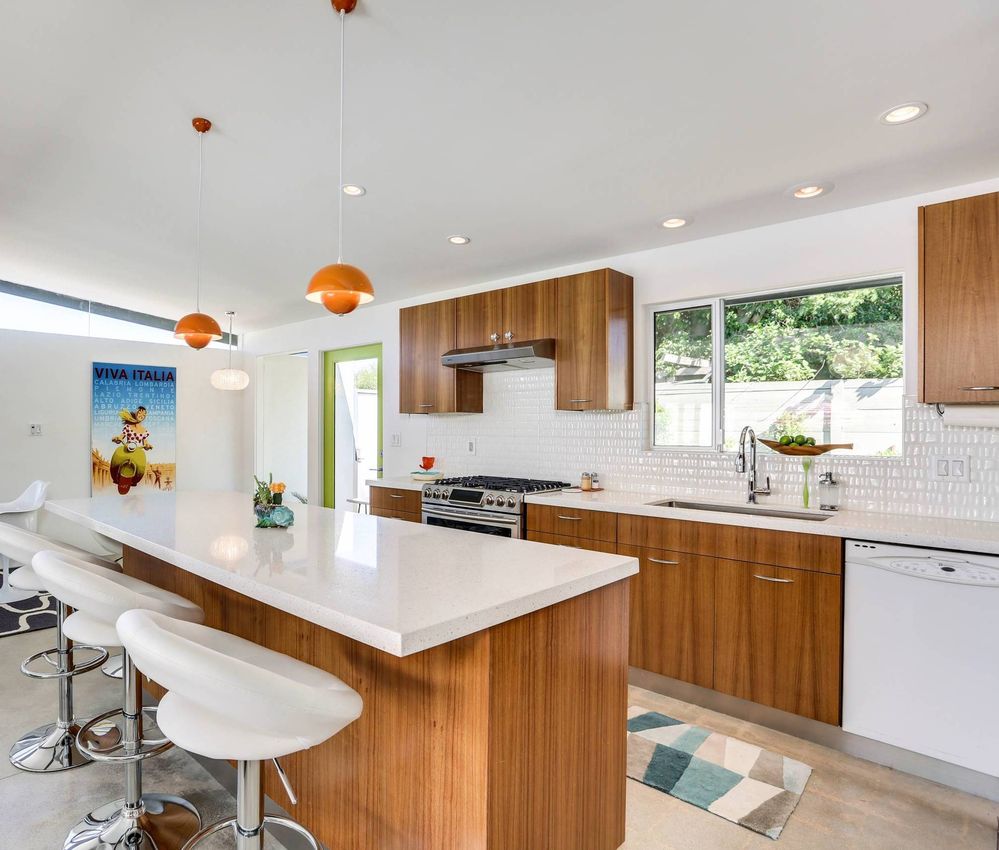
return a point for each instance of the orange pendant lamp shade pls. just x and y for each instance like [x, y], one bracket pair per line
[340, 288]
[197, 330]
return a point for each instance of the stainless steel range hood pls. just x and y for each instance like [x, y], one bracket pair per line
[511, 356]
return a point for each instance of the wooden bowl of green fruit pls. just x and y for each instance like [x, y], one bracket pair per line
[801, 445]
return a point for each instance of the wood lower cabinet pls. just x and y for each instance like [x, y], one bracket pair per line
[959, 301]
[427, 331]
[595, 349]
[572, 522]
[397, 503]
[672, 614]
[778, 637]
[575, 542]
[499, 316]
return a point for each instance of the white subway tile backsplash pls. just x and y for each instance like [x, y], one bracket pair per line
[521, 433]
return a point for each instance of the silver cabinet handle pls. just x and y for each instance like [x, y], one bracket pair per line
[494, 337]
[394, 496]
[661, 561]
[570, 518]
[508, 335]
[979, 389]
[424, 405]
[579, 400]
[775, 580]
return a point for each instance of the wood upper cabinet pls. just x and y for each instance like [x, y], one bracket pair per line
[427, 331]
[778, 638]
[959, 301]
[507, 315]
[595, 341]
[672, 614]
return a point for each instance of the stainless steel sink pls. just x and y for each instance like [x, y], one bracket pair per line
[741, 509]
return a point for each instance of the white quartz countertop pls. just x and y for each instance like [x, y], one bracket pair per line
[401, 482]
[942, 533]
[398, 586]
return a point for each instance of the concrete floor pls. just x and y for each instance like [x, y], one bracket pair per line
[848, 804]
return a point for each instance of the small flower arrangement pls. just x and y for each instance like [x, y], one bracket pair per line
[267, 504]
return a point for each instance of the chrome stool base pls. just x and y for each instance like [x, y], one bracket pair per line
[112, 668]
[48, 749]
[256, 837]
[162, 822]
[104, 737]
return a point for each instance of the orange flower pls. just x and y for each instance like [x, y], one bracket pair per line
[278, 487]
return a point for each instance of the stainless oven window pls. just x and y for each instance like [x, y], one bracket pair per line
[468, 525]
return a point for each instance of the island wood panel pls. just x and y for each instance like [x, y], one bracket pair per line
[572, 522]
[959, 300]
[529, 311]
[574, 542]
[779, 642]
[455, 742]
[673, 614]
[396, 499]
[741, 543]
[478, 317]
[427, 331]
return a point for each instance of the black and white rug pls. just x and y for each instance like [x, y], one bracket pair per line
[28, 615]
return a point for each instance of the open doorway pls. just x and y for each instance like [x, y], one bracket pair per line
[352, 423]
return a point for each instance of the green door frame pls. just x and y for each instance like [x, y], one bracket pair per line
[330, 360]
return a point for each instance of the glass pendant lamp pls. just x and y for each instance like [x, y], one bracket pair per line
[229, 378]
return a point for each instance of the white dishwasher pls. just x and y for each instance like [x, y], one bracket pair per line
[921, 651]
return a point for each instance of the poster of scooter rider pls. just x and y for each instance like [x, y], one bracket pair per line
[133, 428]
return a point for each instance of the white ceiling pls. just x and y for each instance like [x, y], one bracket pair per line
[551, 133]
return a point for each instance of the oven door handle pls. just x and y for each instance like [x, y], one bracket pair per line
[479, 518]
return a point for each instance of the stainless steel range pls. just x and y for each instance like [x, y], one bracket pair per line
[482, 503]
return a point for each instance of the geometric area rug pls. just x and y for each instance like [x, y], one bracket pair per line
[743, 783]
[28, 615]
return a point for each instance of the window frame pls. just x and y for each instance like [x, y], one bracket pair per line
[717, 304]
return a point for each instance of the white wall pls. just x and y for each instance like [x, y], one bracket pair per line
[873, 240]
[282, 417]
[46, 379]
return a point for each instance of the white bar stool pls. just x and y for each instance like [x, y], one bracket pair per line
[232, 699]
[51, 747]
[23, 513]
[140, 820]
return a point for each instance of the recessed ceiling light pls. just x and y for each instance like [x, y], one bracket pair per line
[673, 223]
[458, 240]
[810, 190]
[904, 113]
[354, 191]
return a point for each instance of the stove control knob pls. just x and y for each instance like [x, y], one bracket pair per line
[490, 500]
[437, 494]
[511, 502]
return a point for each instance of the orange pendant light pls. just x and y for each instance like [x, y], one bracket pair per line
[198, 329]
[341, 288]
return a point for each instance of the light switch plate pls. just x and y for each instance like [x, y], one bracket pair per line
[470, 445]
[396, 440]
[953, 468]
[36, 430]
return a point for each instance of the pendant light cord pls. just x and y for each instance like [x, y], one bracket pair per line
[197, 250]
[339, 188]
[231, 314]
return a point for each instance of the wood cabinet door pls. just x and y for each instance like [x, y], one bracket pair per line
[959, 300]
[672, 615]
[478, 317]
[529, 312]
[745, 630]
[808, 631]
[581, 348]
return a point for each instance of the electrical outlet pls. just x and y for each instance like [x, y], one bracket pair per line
[36, 430]
[396, 440]
[954, 468]
[470, 445]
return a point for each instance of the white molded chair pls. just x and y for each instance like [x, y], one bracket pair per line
[140, 820]
[51, 747]
[232, 699]
[22, 513]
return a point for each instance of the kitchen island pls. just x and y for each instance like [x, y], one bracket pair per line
[493, 671]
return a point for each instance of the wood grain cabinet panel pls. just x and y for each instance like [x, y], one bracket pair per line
[392, 513]
[778, 637]
[571, 522]
[479, 316]
[529, 312]
[595, 342]
[427, 331]
[672, 614]
[575, 542]
[396, 499]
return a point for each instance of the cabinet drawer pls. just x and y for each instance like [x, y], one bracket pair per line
[575, 542]
[396, 499]
[390, 513]
[759, 545]
[572, 522]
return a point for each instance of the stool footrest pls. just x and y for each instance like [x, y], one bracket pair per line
[268, 820]
[103, 738]
[50, 658]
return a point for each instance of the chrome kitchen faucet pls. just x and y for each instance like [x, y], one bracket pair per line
[740, 464]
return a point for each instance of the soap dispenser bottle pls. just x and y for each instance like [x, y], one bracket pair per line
[828, 492]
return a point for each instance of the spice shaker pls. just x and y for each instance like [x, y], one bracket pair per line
[586, 481]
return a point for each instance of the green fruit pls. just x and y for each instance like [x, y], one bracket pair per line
[799, 439]
[785, 440]
[810, 441]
